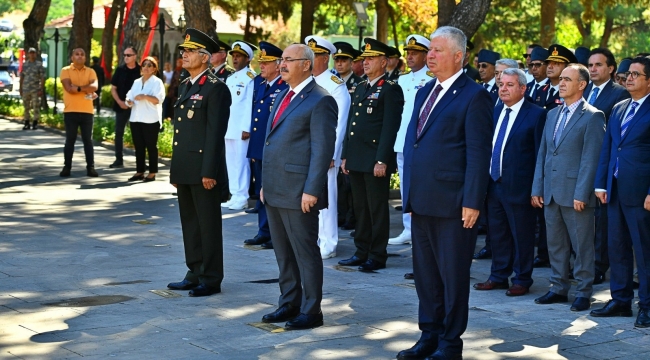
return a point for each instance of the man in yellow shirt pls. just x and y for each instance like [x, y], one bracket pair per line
[79, 85]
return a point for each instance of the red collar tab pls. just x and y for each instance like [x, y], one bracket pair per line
[203, 78]
[381, 82]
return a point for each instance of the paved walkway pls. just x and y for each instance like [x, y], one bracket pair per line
[69, 243]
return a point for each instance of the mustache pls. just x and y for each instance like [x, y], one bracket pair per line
[284, 70]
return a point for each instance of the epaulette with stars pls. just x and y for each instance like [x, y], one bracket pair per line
[391, 82]
[405, 73]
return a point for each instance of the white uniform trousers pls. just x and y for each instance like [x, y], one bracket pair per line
[328, 229]
[406, 218]
[239, 170]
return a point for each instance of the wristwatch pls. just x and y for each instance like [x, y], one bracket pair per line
[78, 88]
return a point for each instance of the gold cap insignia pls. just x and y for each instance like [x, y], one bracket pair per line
[263, 52]
[554, 53]
[312, 43]
[187, 37]
[237, 47]
[368, 46]
[339, 51]
[412, 41]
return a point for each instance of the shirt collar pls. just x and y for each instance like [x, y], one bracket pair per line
[447, 83]
[373, 82]
[274, 80]
[517, 106]
[193, 80]
[302, 85]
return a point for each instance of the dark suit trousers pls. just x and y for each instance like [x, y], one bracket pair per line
[262, 220]
[512, 230]
[201, 222]
[295, 242]
[442, 256]
[370, 200]
[629, 227]
[600, 241]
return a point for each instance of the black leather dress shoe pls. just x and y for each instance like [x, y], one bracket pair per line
[643, 319]
[444, 354]
[116, 164]
[420, 350]
[581, 304]
[409, 276]
[371, 265]
[398, 208]
[539, 262]
[251, 211]
[347, 226]
[599, 278]
[257, 240]
[305, 321]
[551, 298]
[352, 233]
[483, 254]
[284, 313]
[267, 245]
[635, 285]
[65, 172]
[204, 290]
[183, 285]
[613, 308]
[353, 261]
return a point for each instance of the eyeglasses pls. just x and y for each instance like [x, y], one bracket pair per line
[534, 65]
[148, 65]
[526, 56]
[128, 55]
[484, 65]
[192, 51]
[635, 74]
[290, 60]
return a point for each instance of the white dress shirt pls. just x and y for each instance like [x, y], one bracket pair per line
[511, 121]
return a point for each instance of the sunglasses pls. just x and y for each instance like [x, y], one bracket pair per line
[128, 55]
[484, 65]
[526, 56]
[534, 65]
[148, 65]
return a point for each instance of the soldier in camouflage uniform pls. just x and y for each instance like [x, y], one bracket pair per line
[31, 88]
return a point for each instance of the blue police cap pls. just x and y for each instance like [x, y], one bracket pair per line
[488, 56]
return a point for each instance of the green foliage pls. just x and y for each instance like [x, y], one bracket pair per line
[59, 9]
[106, 98]
[11, 106]
[335, 18]
[7, 6]
[95, 48]
[394, 181]
[49, 87]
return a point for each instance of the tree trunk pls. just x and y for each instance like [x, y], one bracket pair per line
[469, 15]
[198, 16]
[382, 20]
[393, 22]
[133, 35]
[446, 11]
[108, 34]
[82, 27]
[247, 26]
[34, 24]
[547, 34]
[307, 18]
[609, 25]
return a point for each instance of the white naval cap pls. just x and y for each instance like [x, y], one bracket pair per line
[320, 45]
[417, 42]
[244, 48]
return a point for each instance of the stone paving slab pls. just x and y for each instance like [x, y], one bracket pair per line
[65, 239]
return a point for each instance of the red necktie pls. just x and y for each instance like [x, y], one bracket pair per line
[285, 103]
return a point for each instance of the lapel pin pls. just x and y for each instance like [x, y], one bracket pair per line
[454, 92]
[301, 96]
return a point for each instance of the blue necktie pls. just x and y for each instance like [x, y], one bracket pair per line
[594, 95]
[624, 125]
[495, 169]
[559, 128]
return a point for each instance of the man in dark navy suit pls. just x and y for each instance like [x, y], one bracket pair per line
[267, 86]
[623, 182]
[518, 126]
[603, 93]
[446, 161]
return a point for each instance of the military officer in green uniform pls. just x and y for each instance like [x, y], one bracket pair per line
[220, 66]
[31, 87]
[201, 113]
[368, 156]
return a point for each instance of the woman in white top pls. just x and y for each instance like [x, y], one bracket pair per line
[145, 98]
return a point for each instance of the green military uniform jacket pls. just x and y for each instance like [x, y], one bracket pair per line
[201, 116]
[374, 118]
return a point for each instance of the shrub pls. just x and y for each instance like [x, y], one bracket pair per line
[11, 106]
[49, 87]
[106, 98]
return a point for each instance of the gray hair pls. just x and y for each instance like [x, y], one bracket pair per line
[307, 53]
[455, 35]
[583, 72]
[521, 76]
[507, 62]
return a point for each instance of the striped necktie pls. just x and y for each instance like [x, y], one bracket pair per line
[624, 126]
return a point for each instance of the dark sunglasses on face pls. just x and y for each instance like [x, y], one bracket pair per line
[532, 65]
[484, 65]
[148, 65]
[526, 56]
[129, 55]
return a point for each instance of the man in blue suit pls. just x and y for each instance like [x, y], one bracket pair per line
[267, 86]
[446, 161]
[603, 93]
[518, 128]
[623, 182]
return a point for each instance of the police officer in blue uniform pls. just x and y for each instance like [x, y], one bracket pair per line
[266, 86]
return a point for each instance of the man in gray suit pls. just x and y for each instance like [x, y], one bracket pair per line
[298, 150]
[564, 174]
